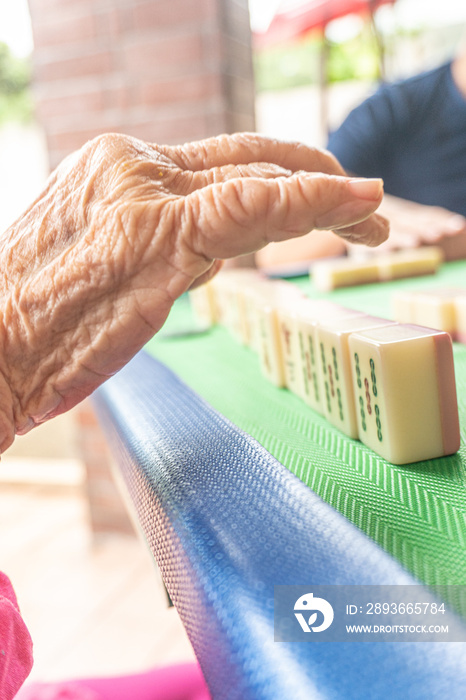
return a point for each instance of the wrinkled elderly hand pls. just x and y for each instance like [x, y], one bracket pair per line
[414, 225]
[123, 228]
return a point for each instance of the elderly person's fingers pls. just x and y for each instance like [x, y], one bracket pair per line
[241, 216]
[454, 224]
[245, 148]
[370, 232]
[437, 223]
[122, 229]
[187, 181]
[425, 222]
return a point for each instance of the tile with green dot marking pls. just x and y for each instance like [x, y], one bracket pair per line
[309, 314]
[404, 386]
[339, 400]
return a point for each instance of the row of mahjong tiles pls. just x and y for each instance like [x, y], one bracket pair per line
[391, 385]
[415, 512]
[331, 273]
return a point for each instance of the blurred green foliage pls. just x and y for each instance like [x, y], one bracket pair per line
[15, 79]
[298, 63]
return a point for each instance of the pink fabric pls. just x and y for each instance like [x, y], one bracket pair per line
[183, 682]
[56, 691]
[15, 643]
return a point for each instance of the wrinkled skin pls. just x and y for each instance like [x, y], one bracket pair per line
[123, 228]
[413, 225]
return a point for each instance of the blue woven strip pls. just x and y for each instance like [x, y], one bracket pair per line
[226, 522]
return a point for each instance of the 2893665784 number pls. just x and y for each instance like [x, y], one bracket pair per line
[404, 608]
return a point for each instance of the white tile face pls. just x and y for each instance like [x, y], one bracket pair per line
[203, 304]
[309, 315]
[337, 399]
[338, 394]
[369, 396]
[405, 409]
[269, 346]
[402, 306]
[409, 262]
[310, 369]
[343, 272]
[275, 332]
[435, 311]
[290, 346]
[436, 308]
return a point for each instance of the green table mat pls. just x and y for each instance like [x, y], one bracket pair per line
[417, 513]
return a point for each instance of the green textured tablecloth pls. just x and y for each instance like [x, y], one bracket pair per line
[416, 512]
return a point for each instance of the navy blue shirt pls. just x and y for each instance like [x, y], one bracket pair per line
[412, 134]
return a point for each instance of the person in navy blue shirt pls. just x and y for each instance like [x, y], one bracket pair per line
[412, 133]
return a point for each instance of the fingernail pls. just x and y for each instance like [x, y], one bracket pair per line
[455, 224]
[366, 188]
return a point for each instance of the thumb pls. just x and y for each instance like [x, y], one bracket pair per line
[208, 275]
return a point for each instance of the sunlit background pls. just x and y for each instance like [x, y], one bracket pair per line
[416, 34]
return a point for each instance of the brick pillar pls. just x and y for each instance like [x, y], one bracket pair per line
[107, 511]
[166, 71]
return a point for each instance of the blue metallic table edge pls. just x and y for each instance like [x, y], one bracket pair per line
[226, 522]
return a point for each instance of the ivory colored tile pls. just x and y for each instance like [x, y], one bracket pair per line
[460, 311]
[269, 345]
[290, 316]
[228, 293]
[402, 306]
[436, 308]
[249, 316]
[404, 384]
[289, 341]
[343, 272]
[246, 280]
[203, 304]
[308, 316]
[410, 262]
[334, 358]
[268, 303]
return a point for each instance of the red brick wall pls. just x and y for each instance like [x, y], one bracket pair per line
[107, 510]
[163, 70]
[167, 71]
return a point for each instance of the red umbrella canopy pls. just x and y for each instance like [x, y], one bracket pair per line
[297, 17]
